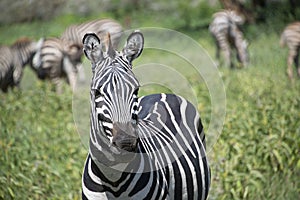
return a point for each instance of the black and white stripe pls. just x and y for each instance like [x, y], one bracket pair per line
[291, 38]
[75, 33]
[57, 60]
[228, 37]
[13, 59]
[151, 147]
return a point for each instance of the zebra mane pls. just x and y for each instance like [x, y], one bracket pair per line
[21, 42]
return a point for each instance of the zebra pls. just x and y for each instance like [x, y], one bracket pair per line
[56, 60]
[150, 147]
[291, 38]
[227, 35]
[75, 33]
[13, 59]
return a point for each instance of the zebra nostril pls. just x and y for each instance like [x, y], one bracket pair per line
[125, 142]
[128, 144]
[124, 137]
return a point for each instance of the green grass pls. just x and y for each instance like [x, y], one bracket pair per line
[255, 157]
[41, 153]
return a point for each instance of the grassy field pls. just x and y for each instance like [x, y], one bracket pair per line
[43, 138]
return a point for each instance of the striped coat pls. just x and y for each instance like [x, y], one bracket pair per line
[290, 37]
[13, 59]
[152, 147]
[228, 37]
[75, 33]
[57, 60]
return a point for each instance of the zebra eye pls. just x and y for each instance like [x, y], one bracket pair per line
[136, 92]
[97, 94]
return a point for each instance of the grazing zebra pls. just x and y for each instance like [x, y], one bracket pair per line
[140, 148]
[75, 33]
[227, 34]
[13, 59]
[291, 38]
[56, 60]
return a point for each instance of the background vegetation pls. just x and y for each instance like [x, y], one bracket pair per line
[255, 157]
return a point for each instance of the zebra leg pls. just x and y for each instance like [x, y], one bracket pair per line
[218, 49]
[72, 80]
[241, 47]
[226, 53]
[17, 75]
[227, 57]
[218, 57]
[296, 61]
[57, 81]
[81, 73]
[290, 61]
[225, 48]
[71, 72]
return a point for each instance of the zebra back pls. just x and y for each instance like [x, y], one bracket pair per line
[6, 68]
[150, 147]
[225, 28]
[13, 59]
[222, 20]
[24, 48]
[291, 36]
[57, 59]
[75, 33]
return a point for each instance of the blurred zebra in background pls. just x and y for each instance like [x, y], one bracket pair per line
[13, 59]
[57, 60]
[290, 37]
[74, 33]
[228, 37]
[152, 147]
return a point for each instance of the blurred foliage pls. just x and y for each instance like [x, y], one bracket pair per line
[256, 156]
[178, 14]
[194, 14]
[41, 156]
[29, 10]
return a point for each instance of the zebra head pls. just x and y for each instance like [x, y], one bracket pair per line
[114, 90]
[26, 48]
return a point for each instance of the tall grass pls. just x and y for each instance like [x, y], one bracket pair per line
[256, 156]
[41, 154]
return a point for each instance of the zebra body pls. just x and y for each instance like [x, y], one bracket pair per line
[13, 59]
[228, 37]
[75, 33]
[57, 60]
[291, 38]
[152, 147]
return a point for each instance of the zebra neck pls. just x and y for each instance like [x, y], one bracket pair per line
[113, 175]
[24, 53]
[116, 173]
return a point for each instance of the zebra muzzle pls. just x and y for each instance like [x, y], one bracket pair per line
[124, 136]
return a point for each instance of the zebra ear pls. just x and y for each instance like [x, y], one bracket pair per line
[92, 47]
[134, 45]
